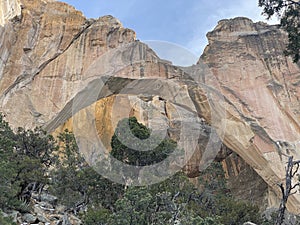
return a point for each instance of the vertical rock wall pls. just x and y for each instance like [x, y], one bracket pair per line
[51, 54]
[8, 10]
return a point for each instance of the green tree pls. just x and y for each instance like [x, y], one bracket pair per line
[173, 201]
[289, 13]
[96, 216]
[8, 170]
[164, 203]
[67, 176]
[135, 207]
[233, 211]
[137, 156]
[76, 184]
[25, 157]
[6, 220]
[34, 152]
[216, 200]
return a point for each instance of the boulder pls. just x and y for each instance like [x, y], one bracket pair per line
[47, 198]
[29, 218]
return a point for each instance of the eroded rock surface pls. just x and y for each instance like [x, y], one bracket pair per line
[260, 85]
[56, 64]
[9, 9]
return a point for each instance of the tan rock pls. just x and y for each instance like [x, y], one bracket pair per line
[60, 70]
[260, 84]
[8, 10]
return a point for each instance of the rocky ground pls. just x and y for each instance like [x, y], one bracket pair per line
[45, 211]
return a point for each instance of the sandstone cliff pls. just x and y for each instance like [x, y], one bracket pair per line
[59, 69]
[8, 10]
[260, 84]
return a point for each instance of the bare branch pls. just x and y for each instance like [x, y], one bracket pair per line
[297, 184]
[294, 2]
[281, 188]
[288, 189]
[296, 170]
[293, 193]
[175, 196]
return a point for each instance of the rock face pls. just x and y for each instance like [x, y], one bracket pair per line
[51, 36]
[59, 70]
[8, 10]
[243, 181]
[261, 86]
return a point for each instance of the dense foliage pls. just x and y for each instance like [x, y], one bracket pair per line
[84, 186]
[25, 157]
[5, 220]
[31, 161]
[289, 13]
[131, 129]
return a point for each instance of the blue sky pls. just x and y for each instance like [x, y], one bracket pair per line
[182, 23]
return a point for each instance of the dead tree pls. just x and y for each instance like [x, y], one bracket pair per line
[288, 189]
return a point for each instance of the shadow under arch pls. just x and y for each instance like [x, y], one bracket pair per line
[195, 98]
